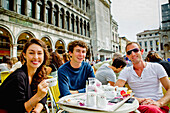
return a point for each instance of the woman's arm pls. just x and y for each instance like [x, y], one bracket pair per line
[41, 93]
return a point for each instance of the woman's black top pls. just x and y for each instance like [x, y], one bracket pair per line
[15, 91]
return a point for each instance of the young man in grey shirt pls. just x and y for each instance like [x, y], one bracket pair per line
[106, 73]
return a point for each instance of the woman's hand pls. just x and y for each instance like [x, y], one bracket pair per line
[42, 89]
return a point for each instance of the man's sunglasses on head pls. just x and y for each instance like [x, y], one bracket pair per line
[134, 50]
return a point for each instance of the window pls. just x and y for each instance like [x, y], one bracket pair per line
[157, 49]
[67, 20]
[139, 35]
[145, 49]
[6, 4]
[150, 34]
[81, 27]
[55, 17]
[151, 43]
[40, 11]
[48, 12]
[145, 43]
[62, 18]
[151, 49]
[162, 46]
[72, 23]
[140, 43]
[88, 29]
[19, 6]
[83, 4]
[156, 33]
[144, 35]
[29, 8]
[80, 3]
[156, 42]
[75, 2]
[84, 30]
[77, 25]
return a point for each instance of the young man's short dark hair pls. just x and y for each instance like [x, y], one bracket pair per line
[75, 43]
[120, 61]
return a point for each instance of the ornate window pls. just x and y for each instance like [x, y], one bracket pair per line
[81, 27]
[62, 18]
[88, 29]
[72, 23]
[40, 11]
[55, 13]
[19, 8]
[6, 4]
[48, 12]
[30, 8]
[67, 21]
[77, 25]
[84, 30]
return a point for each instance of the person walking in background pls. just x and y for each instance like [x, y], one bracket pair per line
[146, 80]
[106, 73]
[25, 89]
[66, 57]
[73, 74]
[154, 57]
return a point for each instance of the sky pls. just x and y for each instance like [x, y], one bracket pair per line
[135, 16]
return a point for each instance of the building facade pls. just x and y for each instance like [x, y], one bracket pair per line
[122, 41]
[115, 36]
[149, 40]
[101, 29]
[56, 22]
[165, 30]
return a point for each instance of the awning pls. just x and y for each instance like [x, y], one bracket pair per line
[106, 51]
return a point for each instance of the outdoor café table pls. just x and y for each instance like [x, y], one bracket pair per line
[125, 108]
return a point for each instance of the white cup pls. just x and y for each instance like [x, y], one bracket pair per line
[101, 101]
[51, 81]
[119, 89]
[91, 99]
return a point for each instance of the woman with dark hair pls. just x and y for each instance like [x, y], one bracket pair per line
[66, 57]
[154, 57]
[56, 61]
[25, 89]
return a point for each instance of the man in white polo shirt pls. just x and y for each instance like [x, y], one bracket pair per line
[145, 80]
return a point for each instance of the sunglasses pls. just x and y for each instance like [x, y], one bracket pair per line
[134, 50]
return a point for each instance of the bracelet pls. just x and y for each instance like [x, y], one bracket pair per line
[31, 104]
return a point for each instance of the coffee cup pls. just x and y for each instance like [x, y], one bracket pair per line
[101, 101]
[51, 81]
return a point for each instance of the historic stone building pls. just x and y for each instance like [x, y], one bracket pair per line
[56, 22]
[115, 36]
[101, 29]
[165, 31]
[149, 40]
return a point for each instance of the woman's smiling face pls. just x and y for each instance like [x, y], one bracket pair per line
[34, 56]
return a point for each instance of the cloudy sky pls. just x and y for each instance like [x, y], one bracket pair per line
[134, 16]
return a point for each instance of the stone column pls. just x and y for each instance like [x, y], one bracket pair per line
[26, 7]
[36, 10]
[44, 12]
[14, 5]
[14, 50]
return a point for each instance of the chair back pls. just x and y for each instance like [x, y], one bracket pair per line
[54, 96]
[4, 75]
